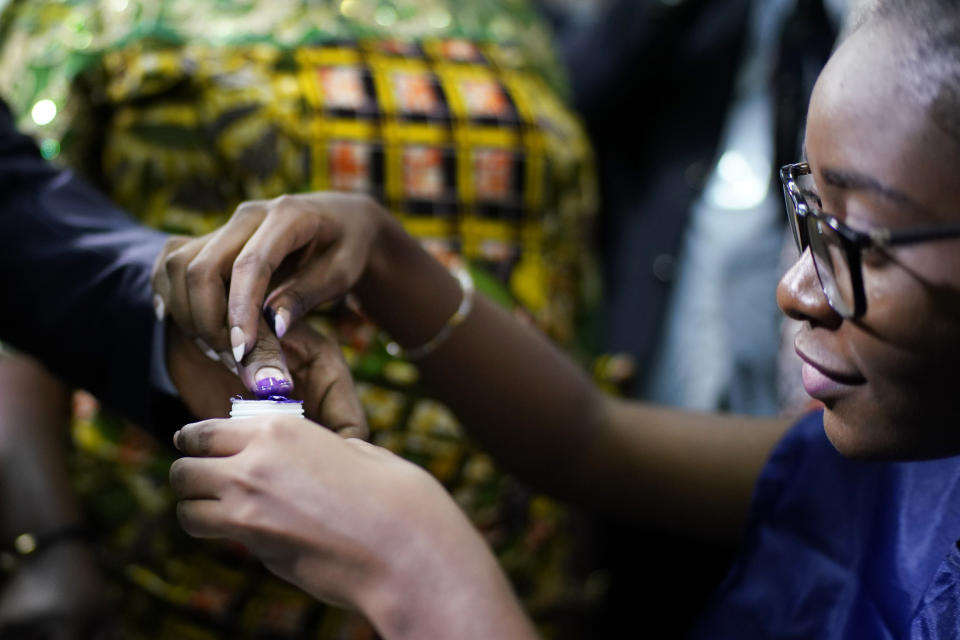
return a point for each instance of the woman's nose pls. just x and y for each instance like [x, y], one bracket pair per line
[800, 296]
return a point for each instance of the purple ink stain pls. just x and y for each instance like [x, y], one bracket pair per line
[272, 387]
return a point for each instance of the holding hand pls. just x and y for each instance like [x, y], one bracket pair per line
[281, 258]
[348, 522]
[317, 368]
[305, 249]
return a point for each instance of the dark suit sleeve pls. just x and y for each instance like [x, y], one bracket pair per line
[75, 280]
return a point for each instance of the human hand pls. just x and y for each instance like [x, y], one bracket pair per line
[263, 371]
[323, 378]
[306, 249]
[204, 385]
[318, 370]
[350, 523]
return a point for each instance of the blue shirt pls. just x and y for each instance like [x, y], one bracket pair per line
[76, 284]
[838, 548]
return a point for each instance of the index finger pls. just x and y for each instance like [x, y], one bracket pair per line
[209, 272]
[285, 229]
[219, 437]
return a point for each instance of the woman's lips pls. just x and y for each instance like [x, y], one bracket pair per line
[821, 386]
[823, 382]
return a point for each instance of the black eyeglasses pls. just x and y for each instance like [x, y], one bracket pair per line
[837, 249]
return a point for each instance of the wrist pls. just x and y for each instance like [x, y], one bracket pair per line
[404, 290]
[452, 587]
[389, 244]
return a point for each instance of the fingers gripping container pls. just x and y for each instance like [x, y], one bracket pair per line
[275, 405]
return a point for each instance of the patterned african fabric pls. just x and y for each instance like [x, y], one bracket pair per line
[449, 113]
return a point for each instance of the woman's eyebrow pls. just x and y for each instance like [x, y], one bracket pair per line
[843, 179]
[808, 193]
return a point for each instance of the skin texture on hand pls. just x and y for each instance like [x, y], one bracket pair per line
[348, 522]
[204, 385]
[321, 377]
[302, 250]
[262, 363]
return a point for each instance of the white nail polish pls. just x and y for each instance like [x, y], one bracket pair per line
[158, 307]
[280, 322]
[238, 339]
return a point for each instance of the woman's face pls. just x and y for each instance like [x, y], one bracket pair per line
[890, 380]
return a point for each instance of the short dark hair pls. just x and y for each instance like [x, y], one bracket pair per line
[931, 53]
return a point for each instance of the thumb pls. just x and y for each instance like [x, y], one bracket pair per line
[264, 369]
[326, 386]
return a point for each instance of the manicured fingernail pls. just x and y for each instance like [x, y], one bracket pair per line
[281, 322]
[176, 441]
[239, 341]
[270, 381]
[207, 351]
[158, 307]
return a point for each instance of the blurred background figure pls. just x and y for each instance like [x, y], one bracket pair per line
[691, 105]
[450, 113]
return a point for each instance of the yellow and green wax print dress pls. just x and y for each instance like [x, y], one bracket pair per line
[449, 112]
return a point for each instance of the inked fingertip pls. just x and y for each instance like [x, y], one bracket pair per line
[270, 381]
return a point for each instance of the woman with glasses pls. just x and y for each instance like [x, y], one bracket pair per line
[848, 520]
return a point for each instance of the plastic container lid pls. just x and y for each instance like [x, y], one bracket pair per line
[271, 406]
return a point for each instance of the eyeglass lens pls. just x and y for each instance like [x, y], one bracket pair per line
[827, 250]
[830, 260]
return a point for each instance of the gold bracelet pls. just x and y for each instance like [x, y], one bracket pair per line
[466, 304]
